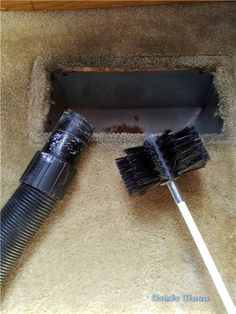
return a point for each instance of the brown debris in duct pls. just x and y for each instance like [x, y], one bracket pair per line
[124, 128]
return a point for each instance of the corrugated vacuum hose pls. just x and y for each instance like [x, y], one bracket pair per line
[43, 184]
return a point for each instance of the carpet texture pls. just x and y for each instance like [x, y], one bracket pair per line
[101, 251]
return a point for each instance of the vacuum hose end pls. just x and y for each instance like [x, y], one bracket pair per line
[43, 183]
[52, 168]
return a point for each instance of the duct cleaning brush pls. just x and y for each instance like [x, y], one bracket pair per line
[160, 161]
[43, 184]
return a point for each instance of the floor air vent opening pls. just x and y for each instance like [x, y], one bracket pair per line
[137, 102]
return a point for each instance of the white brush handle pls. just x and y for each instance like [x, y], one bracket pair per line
[209, 262]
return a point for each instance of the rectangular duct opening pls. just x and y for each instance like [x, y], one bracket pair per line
[137, 101]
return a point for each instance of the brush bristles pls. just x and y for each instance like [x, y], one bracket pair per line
[137, 170]
[162, 158]
[190, 153]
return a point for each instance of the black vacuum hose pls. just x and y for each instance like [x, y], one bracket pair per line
[43, 183]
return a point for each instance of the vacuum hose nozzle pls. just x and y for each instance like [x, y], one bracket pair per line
[43, 183]
[52, 168]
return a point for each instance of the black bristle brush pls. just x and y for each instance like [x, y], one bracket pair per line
[160, 160]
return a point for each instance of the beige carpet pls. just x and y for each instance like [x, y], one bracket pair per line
[102, 251]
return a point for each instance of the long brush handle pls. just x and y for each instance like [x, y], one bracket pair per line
[209, 262]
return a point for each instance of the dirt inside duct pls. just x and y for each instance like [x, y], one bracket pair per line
[121, 101]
